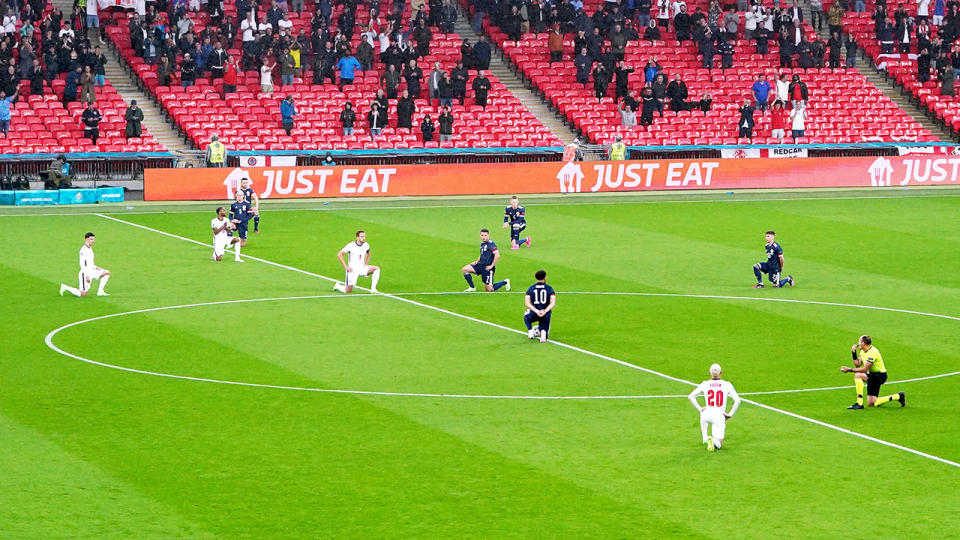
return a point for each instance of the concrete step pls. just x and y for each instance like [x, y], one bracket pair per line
[507, 74]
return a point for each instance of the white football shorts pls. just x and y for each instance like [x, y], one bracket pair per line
[85, 278]
[220, 245]
[716, 418]
[357, 273]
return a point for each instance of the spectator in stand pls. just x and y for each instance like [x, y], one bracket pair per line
[87, 93]
[903, 30]
[288, 67]
[677, 92]
[819, 50]
[726, 50]
[390, 80]
[347, 66]
[445, 120]
[805, 53]
[91, 122]
[218, 61]
[649, 104]
[266, 76]
[835, 45]
[761, 92]
[481, 54]
[923, 10]
[164, 72]
[835, 17]
[230, 76]
[939, 9]
[705, 102]
[459, 75]
[406, 107]
[414, 76]
[682, 25]
[381, 98]
[73, 82]
[375, 119]
[746, 122]
[659, 87]
[427, 128]
[6, 103]
[628, 110]
[555, 44]
[787, 49]
[798, 118]
[433, 82]
[730, 23]
[947, 76]
[287, 111]
[643, 12]
[798, 92]
[348, 117]
[778, 121]
[188, 71]
[651, 32]
[97, 61]
[705, 39]
[783, 89]
[816, 15]
[601, 80]
[651, 70]
[762, 36]
[584, 64]
[36, 78]
[663, 14]
[923, 65]
[133, 116]
[446, 91]
[622, 74]
[618, 42]
[886, 35]
[481, 86]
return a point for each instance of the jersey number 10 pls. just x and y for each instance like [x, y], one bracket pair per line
[715, 398]
[540, 296]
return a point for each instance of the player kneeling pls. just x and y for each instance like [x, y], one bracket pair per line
[221, 240]
[357, 264]
[88, 271]
[715, 392]
[540, 301]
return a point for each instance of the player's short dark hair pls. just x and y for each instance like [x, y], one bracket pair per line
[514, 197]
[866, 339]
[484, 230]
[540, 275]
[359, 233]
[219, 208]
[88, 235]
[771, 232]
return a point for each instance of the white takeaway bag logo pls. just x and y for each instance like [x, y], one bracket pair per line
[232, 181]
[570, 176]
[880, 171]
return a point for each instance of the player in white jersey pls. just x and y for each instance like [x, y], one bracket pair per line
[357, 264]
[88, 271]
[221, 240]
[716, 392]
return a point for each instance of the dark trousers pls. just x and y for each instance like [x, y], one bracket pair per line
[746, 133]
[556, 56]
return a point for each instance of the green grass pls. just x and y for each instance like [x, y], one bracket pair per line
[89, 451]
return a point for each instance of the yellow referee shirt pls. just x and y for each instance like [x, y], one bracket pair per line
[876, 361]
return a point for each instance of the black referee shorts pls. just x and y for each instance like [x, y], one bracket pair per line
[875, 380]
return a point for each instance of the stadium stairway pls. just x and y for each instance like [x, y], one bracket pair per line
[514, 83]
[125, 84]
[888, 87]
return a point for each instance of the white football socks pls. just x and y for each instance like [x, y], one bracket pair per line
[72, 290]
[237, 251]
[103, 283]
[339, 286]
[374, 279]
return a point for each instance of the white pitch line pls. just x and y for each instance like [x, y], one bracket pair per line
[801, 390]
[614, 360]
[572, 202]
[49, 341]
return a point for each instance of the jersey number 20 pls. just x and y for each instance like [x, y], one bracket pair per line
[715, 398]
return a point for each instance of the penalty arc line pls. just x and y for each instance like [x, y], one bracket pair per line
[591, 353]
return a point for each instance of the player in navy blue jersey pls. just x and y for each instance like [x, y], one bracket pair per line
[240, 214]
[515, 218]
[250, 197]
[773, 266]
[485, 266]
[540, 300]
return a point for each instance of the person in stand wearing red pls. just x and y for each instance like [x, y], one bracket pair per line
[798, 92]
[778, 121]
[230, 76]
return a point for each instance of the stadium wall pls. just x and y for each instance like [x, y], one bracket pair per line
[553, 177]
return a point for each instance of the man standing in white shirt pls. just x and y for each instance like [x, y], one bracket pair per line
[715, 392]
[357, 264]
[798, 120]
[221, 226]
[88, 271]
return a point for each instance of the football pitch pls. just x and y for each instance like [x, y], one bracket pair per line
[205, 399]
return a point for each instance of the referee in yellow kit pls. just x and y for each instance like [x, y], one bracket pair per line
[869, 368]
